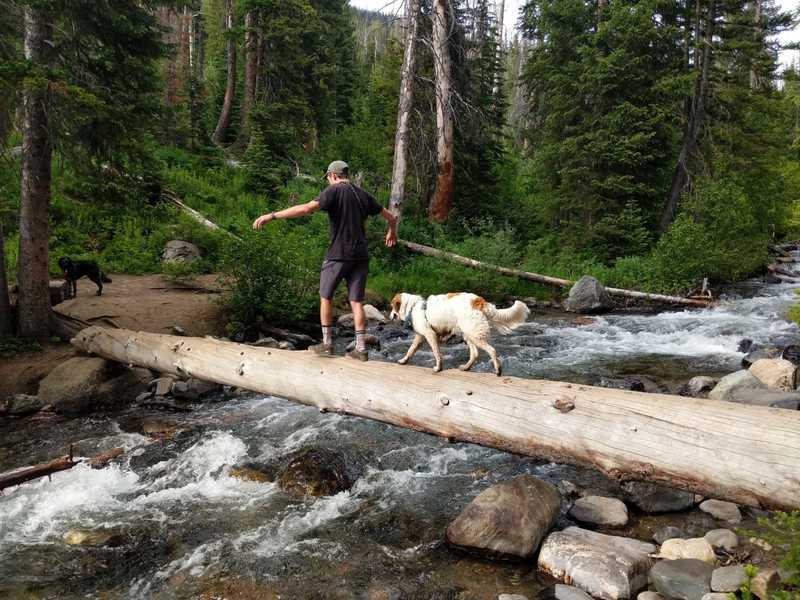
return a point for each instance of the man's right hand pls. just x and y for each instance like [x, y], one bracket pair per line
[262, 220]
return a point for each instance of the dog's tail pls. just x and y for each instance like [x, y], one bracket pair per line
[505, 320]
[105, 278]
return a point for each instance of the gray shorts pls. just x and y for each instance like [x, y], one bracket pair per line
[353, 272]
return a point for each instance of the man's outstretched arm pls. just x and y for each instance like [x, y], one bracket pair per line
[298, 210]
[391, 235]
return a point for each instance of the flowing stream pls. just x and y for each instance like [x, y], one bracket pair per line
[182, 527]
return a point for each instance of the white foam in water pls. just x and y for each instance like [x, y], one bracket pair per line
[35, 511]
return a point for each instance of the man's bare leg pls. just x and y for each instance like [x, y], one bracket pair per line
[326, 321]
[360, 325]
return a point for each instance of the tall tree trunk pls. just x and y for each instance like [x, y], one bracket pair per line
[696, 117]
[33, 267]
[501, 11]
[251, 51]
[442, 201]
[230, 87]
[755, 78]
[6, 321]
[400, 166]
[520, 99]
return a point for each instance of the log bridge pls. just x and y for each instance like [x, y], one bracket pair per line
[745, 454]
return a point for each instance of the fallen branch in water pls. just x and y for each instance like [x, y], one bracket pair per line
[63, 463]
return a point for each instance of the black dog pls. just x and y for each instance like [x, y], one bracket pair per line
[74, 270]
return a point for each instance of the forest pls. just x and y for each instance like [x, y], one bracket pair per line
[650, 143]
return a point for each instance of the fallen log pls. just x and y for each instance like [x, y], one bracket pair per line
[745, 454]
[779, 270]
[63, 463]
[207, 223]
[546, 279]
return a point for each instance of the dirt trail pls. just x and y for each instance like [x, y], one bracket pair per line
[139, 302]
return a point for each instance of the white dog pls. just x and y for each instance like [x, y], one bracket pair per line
[457, 313]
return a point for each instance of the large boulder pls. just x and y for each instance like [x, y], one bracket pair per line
[316, 472]
[605, 566]
[597, 510]
[736, 383]
[84, 384]
[652, 498]
[775, 373]
[179, 251]
[588, 296]
[754, 354]
[507, 520]
[684, 579]
[20, 405]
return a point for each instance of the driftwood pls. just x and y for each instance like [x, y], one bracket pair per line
[745, 454]
[545, 279]
[174, 199]
[63, 463]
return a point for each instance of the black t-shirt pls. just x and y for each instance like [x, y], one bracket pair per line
[348, 207]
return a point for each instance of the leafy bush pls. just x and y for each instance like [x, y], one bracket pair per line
[782, 531]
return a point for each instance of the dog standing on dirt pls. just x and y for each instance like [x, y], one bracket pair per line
[456, 313]
[75, 269]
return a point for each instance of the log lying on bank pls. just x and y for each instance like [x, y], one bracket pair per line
[547, 280]
[746, 454]
[207, 223]
[63, 463]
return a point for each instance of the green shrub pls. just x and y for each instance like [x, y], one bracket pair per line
[782, 531]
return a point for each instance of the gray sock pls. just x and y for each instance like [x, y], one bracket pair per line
[361, 342]
[327, 335]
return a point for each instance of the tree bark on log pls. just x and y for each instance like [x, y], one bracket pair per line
[442, 200]
[33, 305]
[400, 166]
[230, 86]
[745, 454]
[545, 279]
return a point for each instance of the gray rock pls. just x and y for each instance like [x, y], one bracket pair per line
[83, 384]
[724, 511]
[722, 539]
[162, 386]
[652, 498]
[373, 315]
[21, 404]
[757, 354]
[588, 296]
[698, 387]
[286, 345]
[668, 533]
[728, 579]
[714, 596]
[508, 519]
[650, 596]
[771, 398]
[605, 566]
[179, 251]
[776, 373]
[684, 579]
[194, 389]
[597, 510]
[563, 592]
[735, 383]
[265, 342]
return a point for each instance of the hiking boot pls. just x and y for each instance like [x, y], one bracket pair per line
[322, 349]
[361, 355]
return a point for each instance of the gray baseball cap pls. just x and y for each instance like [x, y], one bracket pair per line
[338, 167]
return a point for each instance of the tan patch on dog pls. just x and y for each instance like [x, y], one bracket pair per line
[479, 304]
[453, 294]
[396, 302]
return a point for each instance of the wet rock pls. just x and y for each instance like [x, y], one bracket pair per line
[724, 511]
[758, 354]
[735, 383]
[372, 341]
[728, 579]
[250, 474]
[588, 296]
[563, 592]
[83, 384]
[265, 342]
[286, 345]
[698, 387]
[316, 472]
[507, 520]
[143, 397]
[722, 539]
[583, 320]
[179, 251]
[373, 316]
[605, 566]
[94, 537]
[20, 405]
[695, 548]
[194, 389]
[745, 346]
[765, 583]
[652, 498]
[775, 373]
[622, 383]
[668, 533]
[598, 510]
[395, 334]
[162, 386]
[792, 354]
[770, 398]
[684, 579]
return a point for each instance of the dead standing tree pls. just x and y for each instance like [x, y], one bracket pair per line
[230, 86]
